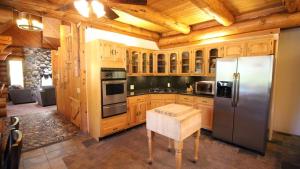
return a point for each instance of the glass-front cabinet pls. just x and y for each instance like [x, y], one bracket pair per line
[151, 62]
[134, 61]
[144, 62]
[161, 64]
[213, 54]
[173, 62]
[198, 60]
[185, 62]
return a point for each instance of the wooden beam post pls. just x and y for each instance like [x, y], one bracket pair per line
[263, 23]
[151, 15]
[216, 9]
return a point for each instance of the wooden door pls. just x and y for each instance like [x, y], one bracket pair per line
[173, 62]
[135, 60]
[106, 49]
[260, 47]
[142, 111]
[132, 113]
[214, 52]
[161, 63]
[185, 62]
[128, 63]
[118, 54]
[151, 63]
[198, 61]
[144, 62]
[234, 49]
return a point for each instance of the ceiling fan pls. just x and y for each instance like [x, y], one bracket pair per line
[98, 7]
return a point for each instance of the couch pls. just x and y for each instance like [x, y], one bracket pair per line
[19, 96]
[45, 96]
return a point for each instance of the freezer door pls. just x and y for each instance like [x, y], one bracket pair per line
[223, 110]
[252, 102]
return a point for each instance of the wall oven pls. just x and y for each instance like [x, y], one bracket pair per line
[114, 92]
[205, 87]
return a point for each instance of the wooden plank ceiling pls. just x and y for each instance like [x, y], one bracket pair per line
[179, 16]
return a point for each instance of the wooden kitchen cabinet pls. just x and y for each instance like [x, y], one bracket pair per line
[112, 55]
[160, 63]
[136, 109]
[198, 61]
[236, 49]
[158, 100]
[135, 61]
[113, 124]
[214, 52]
[185, 100]
[206, 105]
[185, 62]
[173, 62]
[259, 47]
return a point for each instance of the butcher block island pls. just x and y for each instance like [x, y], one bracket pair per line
[177, 122]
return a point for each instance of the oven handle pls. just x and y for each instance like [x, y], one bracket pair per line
[116, 105]
[114, 82]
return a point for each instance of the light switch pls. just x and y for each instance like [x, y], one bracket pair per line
[131, 87]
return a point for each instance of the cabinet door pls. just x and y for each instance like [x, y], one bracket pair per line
[207, 115]
[156, 103]
[142, 111]
[128, 63]
[173, 62]
[185, 61]
[213, 54]
[106, 49]
[144, 62]
[161, 63]
[151, 63]
[135, 62]
[260, 47]
[234, 49]
[132, 113]
[198, 59]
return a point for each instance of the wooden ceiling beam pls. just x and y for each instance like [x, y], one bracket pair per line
[216, 9]
[49, 10]
[291, 5]
[151, 15]
[269, 22]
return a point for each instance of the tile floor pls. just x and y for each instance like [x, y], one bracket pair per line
[128, 150]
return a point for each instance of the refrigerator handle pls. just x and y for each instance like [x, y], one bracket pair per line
[237, 96]
[233, 90]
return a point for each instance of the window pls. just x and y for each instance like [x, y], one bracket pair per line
[16, 72]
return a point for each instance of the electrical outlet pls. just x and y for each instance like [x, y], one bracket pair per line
[131, 87]
[169, 84]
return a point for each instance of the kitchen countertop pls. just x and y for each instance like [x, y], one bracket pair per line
[173, 91]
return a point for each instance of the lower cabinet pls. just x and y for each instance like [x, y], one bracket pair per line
[113, 124]
[138, 105]
[136, 110]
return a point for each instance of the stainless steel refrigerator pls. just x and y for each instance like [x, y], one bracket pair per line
[242, 101]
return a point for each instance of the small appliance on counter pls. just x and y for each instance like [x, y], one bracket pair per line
[114, 92]
[205, 87]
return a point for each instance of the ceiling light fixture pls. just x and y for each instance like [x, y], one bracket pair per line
[83, 7]
[26, 22]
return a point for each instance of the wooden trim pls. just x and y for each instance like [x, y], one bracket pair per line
[291, 5]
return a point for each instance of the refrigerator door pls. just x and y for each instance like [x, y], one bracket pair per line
[224, 95]
[252, 102]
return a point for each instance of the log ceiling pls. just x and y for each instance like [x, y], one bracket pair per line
[170, 22]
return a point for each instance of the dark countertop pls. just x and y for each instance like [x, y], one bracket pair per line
[173, 91]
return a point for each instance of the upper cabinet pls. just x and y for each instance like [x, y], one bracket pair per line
[198, 61]
[151, 62]
[234, 49]
[213, 54]
[173, 62]
[134, 58]
[112, 55]
[260, 47]
[185, 62]
[144, 61]
[161, 63]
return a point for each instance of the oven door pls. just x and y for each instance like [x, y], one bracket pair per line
[114, 91]
[205, 88]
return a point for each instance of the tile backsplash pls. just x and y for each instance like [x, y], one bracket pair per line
[176, 82]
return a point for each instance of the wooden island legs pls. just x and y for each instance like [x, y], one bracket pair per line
[178, 153]
[196, 145]
[150, 148]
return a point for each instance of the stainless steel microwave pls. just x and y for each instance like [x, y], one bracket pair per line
[205, 87]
